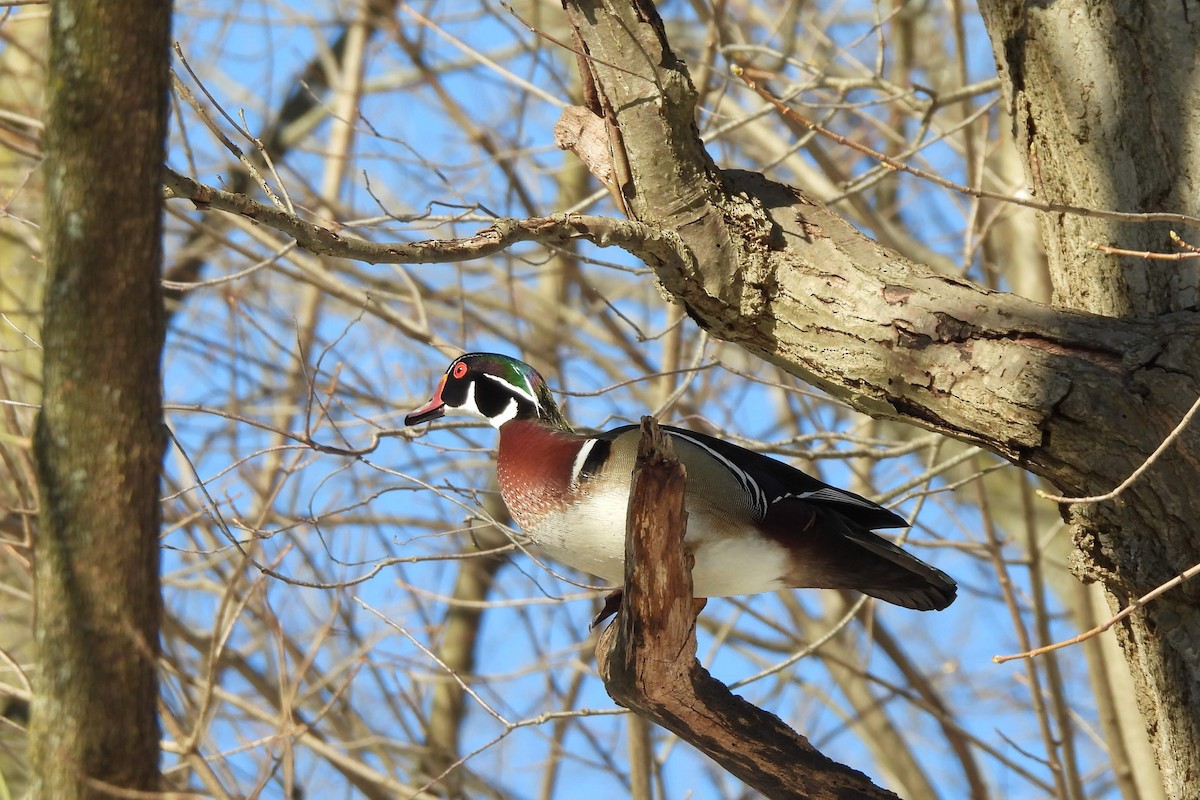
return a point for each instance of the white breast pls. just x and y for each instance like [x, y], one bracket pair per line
[727, 563]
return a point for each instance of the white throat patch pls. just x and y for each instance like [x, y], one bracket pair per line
[471, 408]
[509, 412]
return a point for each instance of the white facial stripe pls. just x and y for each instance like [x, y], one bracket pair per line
[758, 499]
[469, 407]
[523, 392]
[580, 460]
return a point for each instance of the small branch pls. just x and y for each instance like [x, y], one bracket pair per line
[1137, 473]
[1179, 241]
[648, 656]
[644, 241]
[215, 129]
[1146, 254]
[1102, 627]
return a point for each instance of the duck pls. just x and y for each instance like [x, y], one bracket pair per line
[754, 524]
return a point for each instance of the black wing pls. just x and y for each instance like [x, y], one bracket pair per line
[780, 481]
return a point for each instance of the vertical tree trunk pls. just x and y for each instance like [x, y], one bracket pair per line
[1103, 99]
[100, 435]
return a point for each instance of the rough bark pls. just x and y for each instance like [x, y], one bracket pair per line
[1103, 103]
[100, 436]
[1075, 396]
[647, 657]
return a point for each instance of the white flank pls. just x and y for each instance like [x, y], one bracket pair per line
[591, 538]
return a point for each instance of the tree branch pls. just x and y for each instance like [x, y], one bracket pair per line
[793, 283]
[647, 657]
[1183, 577]
[647, 242]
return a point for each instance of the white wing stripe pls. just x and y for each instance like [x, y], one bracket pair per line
[829, 495]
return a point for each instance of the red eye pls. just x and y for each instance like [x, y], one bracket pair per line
[460, 369]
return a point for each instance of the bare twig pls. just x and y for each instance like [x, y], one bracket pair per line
[645, 241]
[211, 124]
[1137, 473]
[1147, 254]
[1179, 241]
[1179, 579]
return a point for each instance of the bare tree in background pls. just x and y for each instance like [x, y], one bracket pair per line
[368, 624]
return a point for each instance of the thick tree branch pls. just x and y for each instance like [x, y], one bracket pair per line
[648, 655]
[797, 285]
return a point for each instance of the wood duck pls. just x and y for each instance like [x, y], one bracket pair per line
[754, 524]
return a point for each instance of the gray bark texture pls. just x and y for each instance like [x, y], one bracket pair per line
[1081, 392]
[100, 435]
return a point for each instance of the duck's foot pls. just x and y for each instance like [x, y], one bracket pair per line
[612, 604]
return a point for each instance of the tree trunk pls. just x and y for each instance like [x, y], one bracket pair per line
[100, 434]
[1081, 396]
[1103, 100]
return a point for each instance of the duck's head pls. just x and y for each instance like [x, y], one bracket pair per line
[493, 386]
